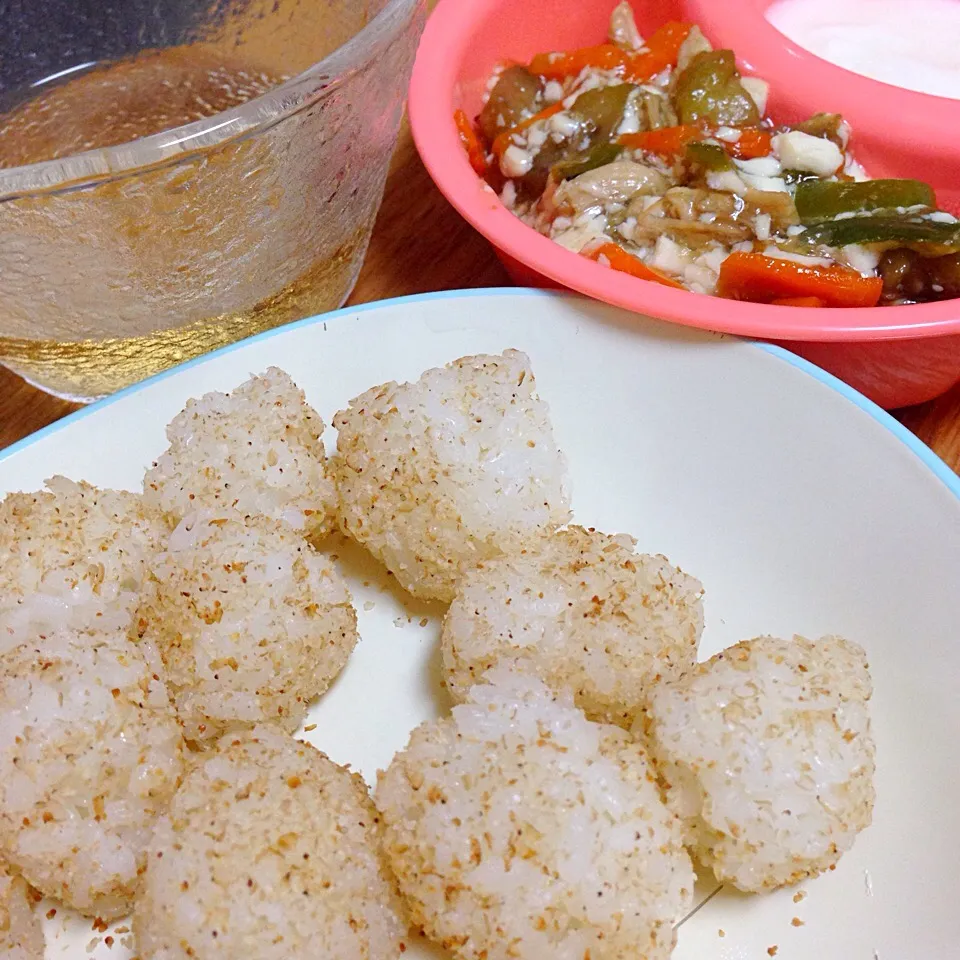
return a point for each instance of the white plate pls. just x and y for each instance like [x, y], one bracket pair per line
[802, 508]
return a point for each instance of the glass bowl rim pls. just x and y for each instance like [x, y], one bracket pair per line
[176, 144]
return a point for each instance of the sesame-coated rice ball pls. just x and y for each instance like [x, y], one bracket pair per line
[588, 613]
[270, 852]
[257, 449]
[520, 830]
[90, 754]
[77, 542]
[767, 755]
[251, 623]
[21, 934]
[437, 475]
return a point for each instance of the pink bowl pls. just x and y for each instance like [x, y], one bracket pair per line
[895, 355]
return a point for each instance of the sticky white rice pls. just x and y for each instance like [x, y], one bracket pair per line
[85, 546]
[251, 623]
[520, 830]
[588, 613]
[257, 449]
[768, 758]
[90, 754]
[21, 934]
[270, 851]
[437, 475]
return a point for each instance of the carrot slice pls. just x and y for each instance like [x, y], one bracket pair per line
[672, 141]
[667, 39]
[504, 139]
[624, 262]
[659, 52]
[559, 66]
[667, 141]
[798, 302]
[752, 144]
[662, 50]
[762, 279]
[471, 143]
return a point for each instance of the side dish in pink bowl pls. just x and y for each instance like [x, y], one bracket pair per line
[612, 148]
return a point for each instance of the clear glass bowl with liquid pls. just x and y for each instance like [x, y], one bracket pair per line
[176, 175]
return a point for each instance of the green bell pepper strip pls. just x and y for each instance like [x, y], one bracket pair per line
[929, 235]
[710, 156]
[599, 156]
[710, 89]
[819, 200]
[602, 109]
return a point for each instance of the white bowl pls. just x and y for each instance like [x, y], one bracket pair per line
[801, 506]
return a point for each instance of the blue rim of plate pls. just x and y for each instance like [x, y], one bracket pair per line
[914, 443]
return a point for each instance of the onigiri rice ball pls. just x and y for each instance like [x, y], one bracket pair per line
[437, 475]
[251, 623]
[520, 830]
[588, 613]
[78, 543]
[90, 754]
[257, 449]
[767, 757]
[21, 934]
[270, 851]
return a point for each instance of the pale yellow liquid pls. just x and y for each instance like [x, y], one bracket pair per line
[115, 104]
[88, 369]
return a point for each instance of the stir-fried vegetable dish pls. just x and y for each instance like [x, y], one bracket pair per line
[654, 156]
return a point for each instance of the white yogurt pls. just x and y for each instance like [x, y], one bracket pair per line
[914, 44]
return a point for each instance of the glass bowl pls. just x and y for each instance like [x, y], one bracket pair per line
[116, 263]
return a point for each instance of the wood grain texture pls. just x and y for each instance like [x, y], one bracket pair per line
[421, 244]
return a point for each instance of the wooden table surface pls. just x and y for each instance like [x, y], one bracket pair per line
[421, 244]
